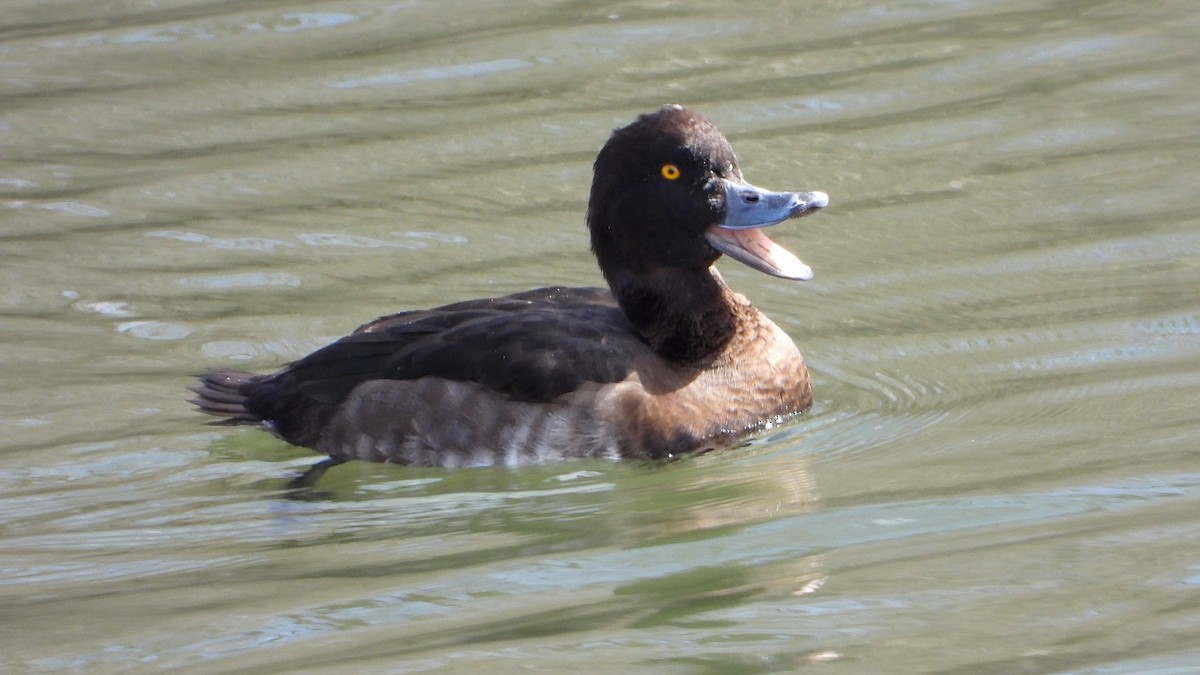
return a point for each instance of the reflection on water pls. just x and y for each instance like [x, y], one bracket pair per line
[1000, 469]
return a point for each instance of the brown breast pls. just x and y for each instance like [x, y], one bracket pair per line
[665, 409]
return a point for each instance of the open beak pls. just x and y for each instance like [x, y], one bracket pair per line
[749, 208]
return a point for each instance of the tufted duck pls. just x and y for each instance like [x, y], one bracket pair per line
[667, 360]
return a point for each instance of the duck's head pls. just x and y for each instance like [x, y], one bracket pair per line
[668, 194]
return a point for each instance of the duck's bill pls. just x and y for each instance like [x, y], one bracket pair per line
[749, 208]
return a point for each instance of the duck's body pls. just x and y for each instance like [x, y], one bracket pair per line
[670, 360]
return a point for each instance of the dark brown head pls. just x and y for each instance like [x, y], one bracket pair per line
[667, 193]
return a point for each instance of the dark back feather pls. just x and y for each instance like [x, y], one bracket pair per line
[532, 346]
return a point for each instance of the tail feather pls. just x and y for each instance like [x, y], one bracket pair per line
[220, 394]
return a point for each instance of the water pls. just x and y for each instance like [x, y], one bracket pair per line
[1002, 469]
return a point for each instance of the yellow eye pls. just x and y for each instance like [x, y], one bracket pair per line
[670, 171]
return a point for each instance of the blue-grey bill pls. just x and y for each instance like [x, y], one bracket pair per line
[749, 208]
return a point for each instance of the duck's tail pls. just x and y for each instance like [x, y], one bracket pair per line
[221, 394]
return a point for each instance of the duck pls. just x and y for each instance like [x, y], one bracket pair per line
[665, 361]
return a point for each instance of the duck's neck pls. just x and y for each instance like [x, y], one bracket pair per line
[687, 316]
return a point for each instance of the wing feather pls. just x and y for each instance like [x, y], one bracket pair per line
[532, 346]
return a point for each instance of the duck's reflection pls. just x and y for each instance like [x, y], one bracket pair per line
[729, 522]
[578, 551]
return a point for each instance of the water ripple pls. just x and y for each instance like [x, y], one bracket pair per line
[244, 280]
[434, 74]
